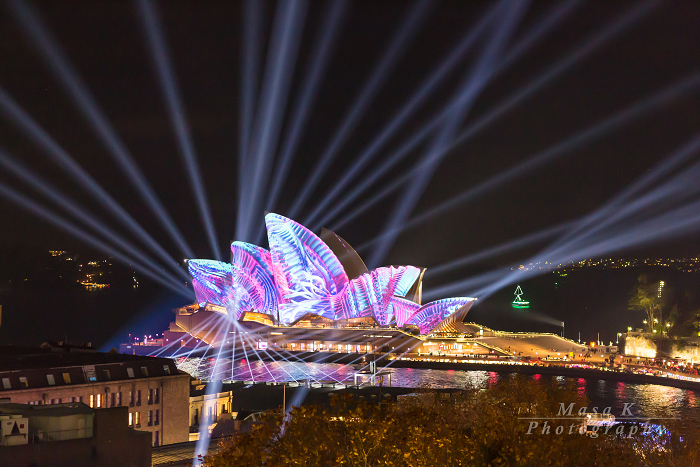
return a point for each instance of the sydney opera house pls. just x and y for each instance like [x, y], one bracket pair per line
[310, 293]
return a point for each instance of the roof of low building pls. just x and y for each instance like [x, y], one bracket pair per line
[32, 368]
[26, 358]
[55, 410]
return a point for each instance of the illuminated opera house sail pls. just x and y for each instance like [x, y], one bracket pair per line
[306, 278]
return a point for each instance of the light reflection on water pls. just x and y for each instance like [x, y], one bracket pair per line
[649, 400]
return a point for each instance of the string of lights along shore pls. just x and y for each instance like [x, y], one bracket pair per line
[215, 213]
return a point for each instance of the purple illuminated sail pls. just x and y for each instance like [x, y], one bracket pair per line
[301, 276]
[434, 313]
[306, 271]
[252, 270]
[403, 309]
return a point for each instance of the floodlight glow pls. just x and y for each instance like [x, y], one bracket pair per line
[387, 62]
[675, 190]
[391, 161]
[589, 46]
[296, 401]
[176, 343]
[202, 446]
[611, 210]
[652, 216]
[500, 249]
[461, 103]
[661, 199]
[424, 91]
[625, 116]
[470, 284]
[679, 222]
[301, 275]
[235, 324]
[80, 234]
[86, 103]
[36, 182]
[154, 32]
[252, 26]
[314, 73]
[30, 128]
[282, 55]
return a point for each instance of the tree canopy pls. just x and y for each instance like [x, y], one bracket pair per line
[473, 428]
[646, 297]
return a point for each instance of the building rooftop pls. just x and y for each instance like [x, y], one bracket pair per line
[26, 358]
[56, 410]
[31, 368]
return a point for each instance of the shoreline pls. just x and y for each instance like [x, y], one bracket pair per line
[551, 370]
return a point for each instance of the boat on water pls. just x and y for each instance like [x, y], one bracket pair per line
[518, 301]
[593, 421]
[643, 431]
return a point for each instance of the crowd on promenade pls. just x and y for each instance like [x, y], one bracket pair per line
[591, 361]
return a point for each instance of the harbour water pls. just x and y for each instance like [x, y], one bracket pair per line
[649, 400]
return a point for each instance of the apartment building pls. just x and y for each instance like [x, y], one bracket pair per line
[154, 390]
[69, 435]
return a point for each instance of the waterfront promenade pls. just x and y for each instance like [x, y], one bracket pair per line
[566, 369]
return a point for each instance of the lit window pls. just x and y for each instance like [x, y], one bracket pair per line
[6, 383]
[131, 419]
[50, 380]
[130, 372]
[92, 400]
[137, 418]
[23, 382]
[66, 378]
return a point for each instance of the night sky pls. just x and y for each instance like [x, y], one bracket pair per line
[106, 44]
